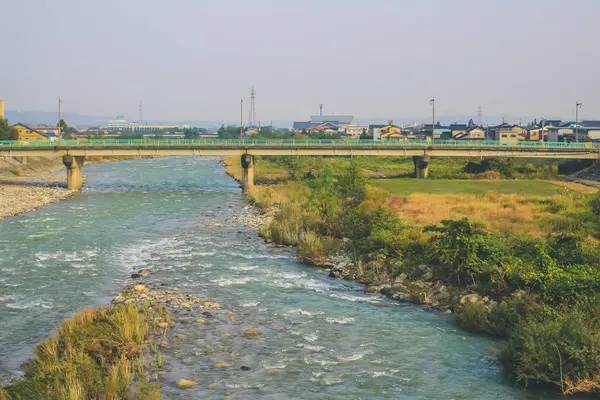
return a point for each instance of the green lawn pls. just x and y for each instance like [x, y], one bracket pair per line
[406, 186]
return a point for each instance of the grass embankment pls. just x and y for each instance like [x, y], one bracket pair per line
[535, 282]
[99, 354]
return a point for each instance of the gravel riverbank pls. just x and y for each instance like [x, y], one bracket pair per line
[37, 187]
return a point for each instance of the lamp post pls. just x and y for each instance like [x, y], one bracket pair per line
[577, 107]
[432, 102]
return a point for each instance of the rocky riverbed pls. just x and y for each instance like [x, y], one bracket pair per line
[187, 318]
[21, 196]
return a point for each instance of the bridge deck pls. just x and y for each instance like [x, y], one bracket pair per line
[166, 147]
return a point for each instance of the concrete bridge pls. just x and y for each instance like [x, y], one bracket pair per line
[74, 152]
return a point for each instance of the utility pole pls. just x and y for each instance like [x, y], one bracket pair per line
[577, 105]
[432, 102]
[241, 119]
[59, 126]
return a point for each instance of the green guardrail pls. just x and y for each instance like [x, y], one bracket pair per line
[291, 142]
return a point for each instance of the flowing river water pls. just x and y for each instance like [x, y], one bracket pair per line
[319, 337]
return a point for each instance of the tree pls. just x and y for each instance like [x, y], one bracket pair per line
[471, 123]
[193, 133]
[5, 130]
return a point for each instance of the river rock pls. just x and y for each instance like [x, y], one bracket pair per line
[250, 331]
[400, 279]
[183, 383]
[470, 299]
[163, 324]
[213, 386]
[244, 368]
[141, 289]
[372, 289]
[221, 365]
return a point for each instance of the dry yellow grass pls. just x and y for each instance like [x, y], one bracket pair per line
[512, 214]
[576, 187]
[262, 172]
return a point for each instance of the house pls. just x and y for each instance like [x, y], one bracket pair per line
[355, 131]
[375, 131]
[592, 128]
[458, 129]
[391, 131]
[301, 125]
[26, 133]
[439, 131]
[507, 133]
[326, 127]
[47, 129]
[474, 133]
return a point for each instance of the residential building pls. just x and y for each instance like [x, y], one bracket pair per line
[507, 133]
[26, 133]
[391, 131]
[47, 129]
[300, 126]
[458, 129]
[355, 131]
[326, 127]
[592, 128]
[1, 109]
[375, 131]
[474, 133]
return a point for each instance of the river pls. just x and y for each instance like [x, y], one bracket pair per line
[319, 337]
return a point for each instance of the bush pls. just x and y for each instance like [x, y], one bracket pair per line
[595, 204]
[499, 319]
[462, 250]
[561, 350]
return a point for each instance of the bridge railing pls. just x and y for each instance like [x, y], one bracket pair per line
[136, 143]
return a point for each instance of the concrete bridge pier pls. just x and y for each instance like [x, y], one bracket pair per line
[247, 171]
[421, 166]
[74, 174]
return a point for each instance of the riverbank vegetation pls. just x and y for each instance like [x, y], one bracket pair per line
[99, 354]
[529, 274]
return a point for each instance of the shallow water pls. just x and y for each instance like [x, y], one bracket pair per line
[319, 337]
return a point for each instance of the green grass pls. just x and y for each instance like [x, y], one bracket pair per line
[404, 187]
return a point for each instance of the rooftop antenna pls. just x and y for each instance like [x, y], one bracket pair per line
[140, 115]
[480, 115]
[252, 111]
[320, 110]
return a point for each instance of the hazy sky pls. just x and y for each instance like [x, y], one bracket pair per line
[195, 59]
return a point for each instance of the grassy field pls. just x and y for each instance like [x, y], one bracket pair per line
[404, 187]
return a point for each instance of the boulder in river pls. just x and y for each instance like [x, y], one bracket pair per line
[183, 383]
[250, 331]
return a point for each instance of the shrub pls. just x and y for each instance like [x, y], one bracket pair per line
[561, 350]
[595, 204]
[499, 319]
[462, 249]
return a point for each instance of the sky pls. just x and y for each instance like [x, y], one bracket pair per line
[195, 59]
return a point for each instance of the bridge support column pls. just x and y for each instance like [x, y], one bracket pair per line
[74, 174]
[247, 171]
[421, 166]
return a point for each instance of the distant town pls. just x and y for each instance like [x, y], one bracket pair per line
[323, 126]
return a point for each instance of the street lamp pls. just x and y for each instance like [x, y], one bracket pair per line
[432, 102]
[577, 107]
